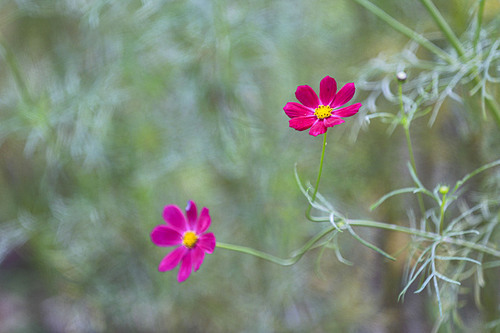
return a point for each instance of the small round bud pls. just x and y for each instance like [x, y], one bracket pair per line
[444, 189]
[401, 76]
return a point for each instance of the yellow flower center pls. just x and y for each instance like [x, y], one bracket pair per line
[189, 239]
[323, 111]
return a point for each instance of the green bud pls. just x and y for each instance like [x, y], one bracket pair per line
[444, 189]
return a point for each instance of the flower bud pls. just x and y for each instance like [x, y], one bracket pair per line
[401, 76]
[444, 189]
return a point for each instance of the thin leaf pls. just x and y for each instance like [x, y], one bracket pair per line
[447, 279]
[426, 282]
[393, 193]
[475, 172]
[459, 258]
[369, 245]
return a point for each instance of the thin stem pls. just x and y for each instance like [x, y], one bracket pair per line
[424, 42]
[479, 22]
[308, 211]
[424, 234]
[393, 227]
[441, 215]
[413, 164]
[406, 125]
[443, 25]
[269, 257]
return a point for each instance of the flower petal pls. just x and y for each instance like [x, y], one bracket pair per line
[206, 242]
[172, 259]
[318, 128]
[203, 221]
[348, 111]
[163, 235]
[327, 90]
[175, 217]
[293, 110]
[186, 267]
[307, 96]
[332, 121]
[191, 213]
[302, 123]
[198, 256]
[344, 95]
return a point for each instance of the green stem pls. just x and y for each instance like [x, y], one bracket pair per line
[413, 164]
[479, 22]
[424, 234]
[406, 125]
[269, 257]
[443, 25]
[441, 215]
[393, 227]
[357, 223]
[308, 211]
[424, 42]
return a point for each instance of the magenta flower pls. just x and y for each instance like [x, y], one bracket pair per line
[320, 113]
[186, 232]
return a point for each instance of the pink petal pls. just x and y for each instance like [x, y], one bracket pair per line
[198, 256]
[318, 128]
[163, 235]
[174, 216]
[327, 90]
[302, 123]
[307, 96]
[344, 95]
[347, 111]
[203, 222]
[186, 267]
[293, 110]
[206, 242]
[172, 259]
[332, 121]
[192, 214]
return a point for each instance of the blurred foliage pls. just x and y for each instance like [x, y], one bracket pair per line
[110, 110]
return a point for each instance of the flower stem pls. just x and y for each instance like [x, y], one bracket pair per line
[406, 125]
[308, 211]
[441, 214]
[269, 257]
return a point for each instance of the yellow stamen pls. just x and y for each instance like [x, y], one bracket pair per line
[189, 239]
[323, 111]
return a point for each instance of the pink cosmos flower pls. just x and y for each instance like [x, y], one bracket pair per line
[186, 232]
[320, 113]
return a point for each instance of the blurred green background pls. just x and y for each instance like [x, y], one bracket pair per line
[110, 110]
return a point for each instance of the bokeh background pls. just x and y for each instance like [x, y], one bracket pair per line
[110, 110]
